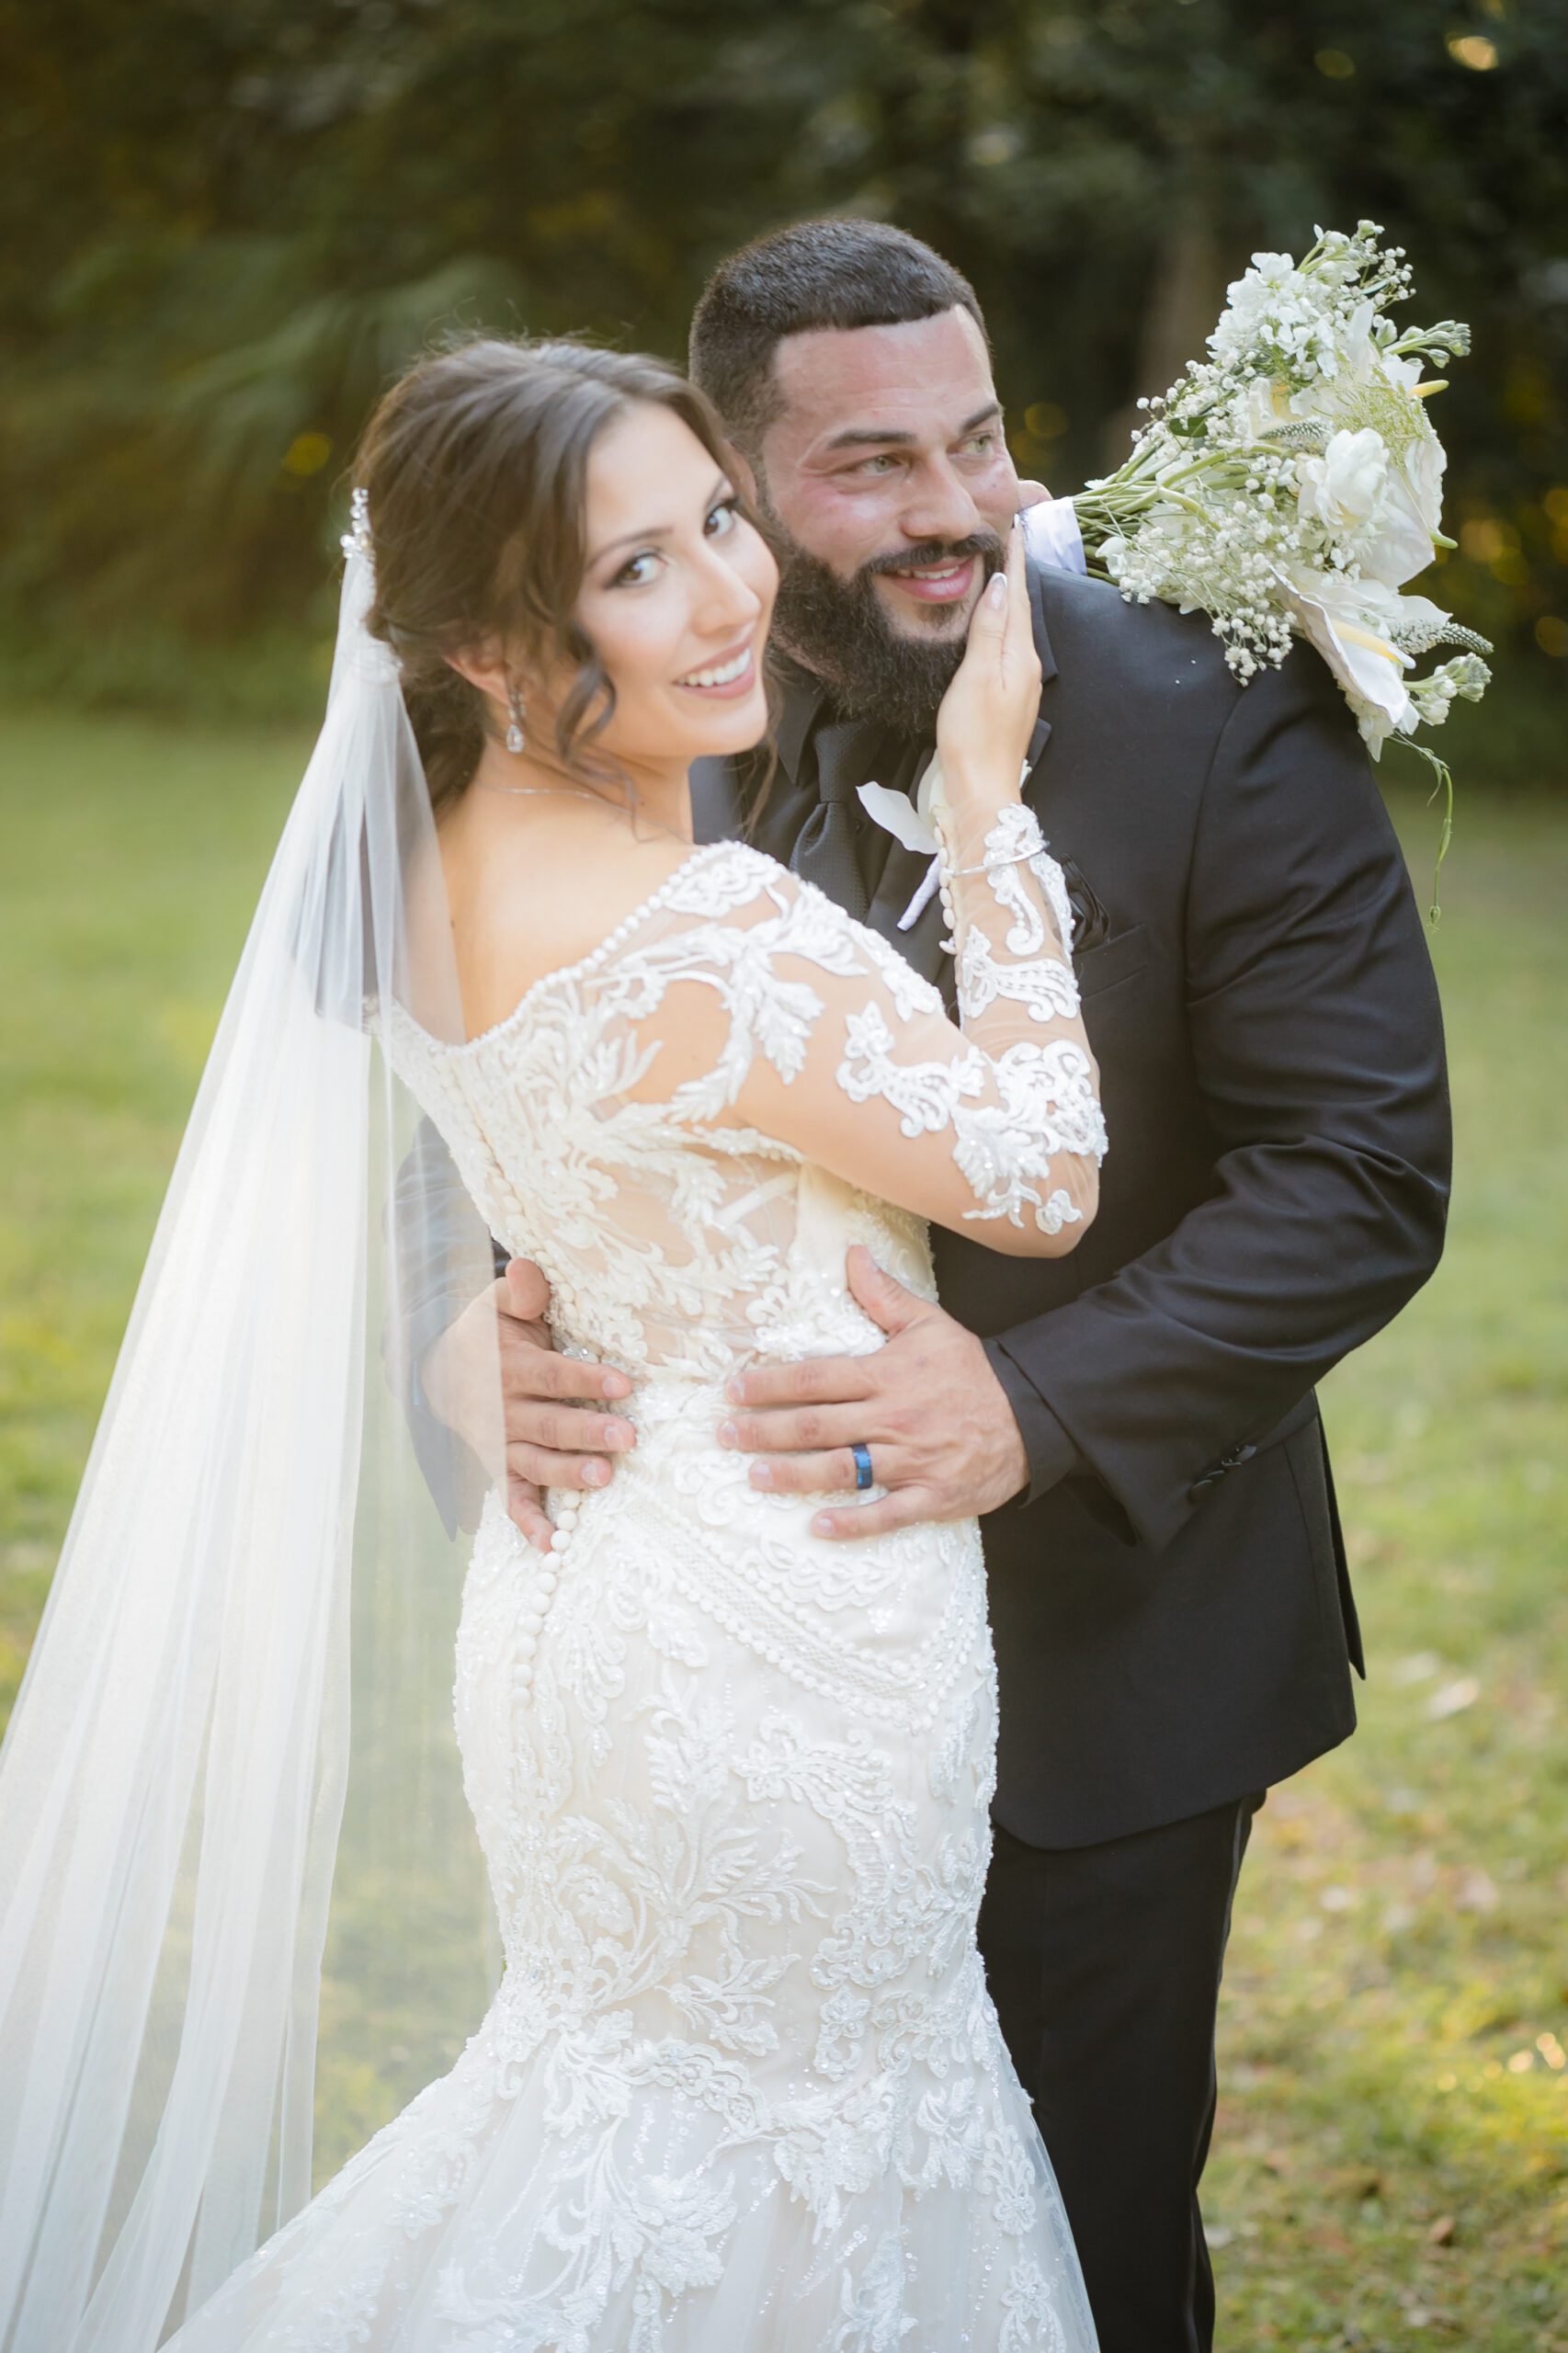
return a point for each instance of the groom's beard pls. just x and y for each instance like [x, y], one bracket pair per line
[840, 629]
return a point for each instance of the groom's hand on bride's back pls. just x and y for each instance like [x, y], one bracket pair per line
[546, 1435]
[943, 1438]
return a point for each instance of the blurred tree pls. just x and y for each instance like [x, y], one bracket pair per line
[223, 230]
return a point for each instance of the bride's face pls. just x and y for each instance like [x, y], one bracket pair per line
[677, 594]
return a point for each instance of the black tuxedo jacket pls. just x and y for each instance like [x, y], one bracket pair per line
[1173, 1615]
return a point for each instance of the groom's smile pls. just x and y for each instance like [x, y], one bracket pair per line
[946, 582]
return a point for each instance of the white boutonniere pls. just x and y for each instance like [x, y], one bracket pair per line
[908, 819]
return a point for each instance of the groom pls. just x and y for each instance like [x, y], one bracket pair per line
[1174, 1623]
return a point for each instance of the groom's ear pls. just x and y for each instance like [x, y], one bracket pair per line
[742, 471]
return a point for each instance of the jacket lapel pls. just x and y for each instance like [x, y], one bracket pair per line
[1033, 781]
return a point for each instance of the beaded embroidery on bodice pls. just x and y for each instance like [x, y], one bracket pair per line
[678, 1239]
[672, 1250]
[743, 2090]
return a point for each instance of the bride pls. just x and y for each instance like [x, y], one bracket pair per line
[742, 2086]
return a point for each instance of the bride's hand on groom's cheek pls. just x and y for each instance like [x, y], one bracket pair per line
[942, 1437]
[547, 1436]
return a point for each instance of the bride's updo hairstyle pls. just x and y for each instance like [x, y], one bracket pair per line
[475, 465]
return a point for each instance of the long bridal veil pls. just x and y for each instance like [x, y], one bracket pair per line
[241, 1906]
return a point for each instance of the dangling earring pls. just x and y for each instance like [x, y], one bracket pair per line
[516, 739]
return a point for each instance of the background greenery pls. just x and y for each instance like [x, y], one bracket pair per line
[223, 228]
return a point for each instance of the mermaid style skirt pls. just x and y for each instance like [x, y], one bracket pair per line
[741, 2089]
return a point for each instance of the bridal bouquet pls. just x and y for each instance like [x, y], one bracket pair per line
[1290, 484]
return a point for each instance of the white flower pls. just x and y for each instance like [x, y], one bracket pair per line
[1413, 504]
[1275, 269]
[1356, 348]
[1343, 489]
[1403, 374]
[1113, 553]
[1346, 620]
[1259, 301]
[1465, 676]
[1264, 405]
[1416, 622]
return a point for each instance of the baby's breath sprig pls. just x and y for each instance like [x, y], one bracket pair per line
[1290, 485]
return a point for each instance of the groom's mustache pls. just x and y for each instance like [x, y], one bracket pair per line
[930, 555]
[843, 631]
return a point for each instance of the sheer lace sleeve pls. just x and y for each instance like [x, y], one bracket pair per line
[749, 1002]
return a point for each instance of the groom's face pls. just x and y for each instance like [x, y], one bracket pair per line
[886, 482]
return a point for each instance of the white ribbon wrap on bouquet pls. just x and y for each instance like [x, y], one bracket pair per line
[1051, 535]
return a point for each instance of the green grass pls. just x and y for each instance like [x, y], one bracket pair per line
[1391, 2162]
[1392, 2159]
[130, 856]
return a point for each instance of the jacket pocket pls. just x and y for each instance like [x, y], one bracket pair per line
[1117, 960]
[1308, 1457]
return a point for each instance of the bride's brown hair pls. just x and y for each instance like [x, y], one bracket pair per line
[475, 467]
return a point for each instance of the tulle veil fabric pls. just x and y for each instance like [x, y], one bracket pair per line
[241, 1906]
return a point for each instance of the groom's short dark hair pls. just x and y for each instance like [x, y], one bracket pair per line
[831, 273]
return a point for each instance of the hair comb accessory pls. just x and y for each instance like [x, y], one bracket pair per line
[355, 540]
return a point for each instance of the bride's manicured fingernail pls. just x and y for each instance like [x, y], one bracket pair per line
[762, 1474]
[728, 1434]
[822, 1525]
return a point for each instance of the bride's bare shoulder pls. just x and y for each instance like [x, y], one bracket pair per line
[531, 892]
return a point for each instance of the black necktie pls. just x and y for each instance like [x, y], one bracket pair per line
[825, 848]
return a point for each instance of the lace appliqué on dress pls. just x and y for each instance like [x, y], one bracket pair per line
[741, 2084]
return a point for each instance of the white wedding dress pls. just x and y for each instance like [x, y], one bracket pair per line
[741, 2089]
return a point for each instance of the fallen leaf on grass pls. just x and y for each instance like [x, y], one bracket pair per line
[1453, 1698]
[1443, 2232]
[1419, 2314]
[1359, 2182]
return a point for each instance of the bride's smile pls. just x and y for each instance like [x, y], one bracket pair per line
[732, 678]
[663, 663]
[677, 594]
